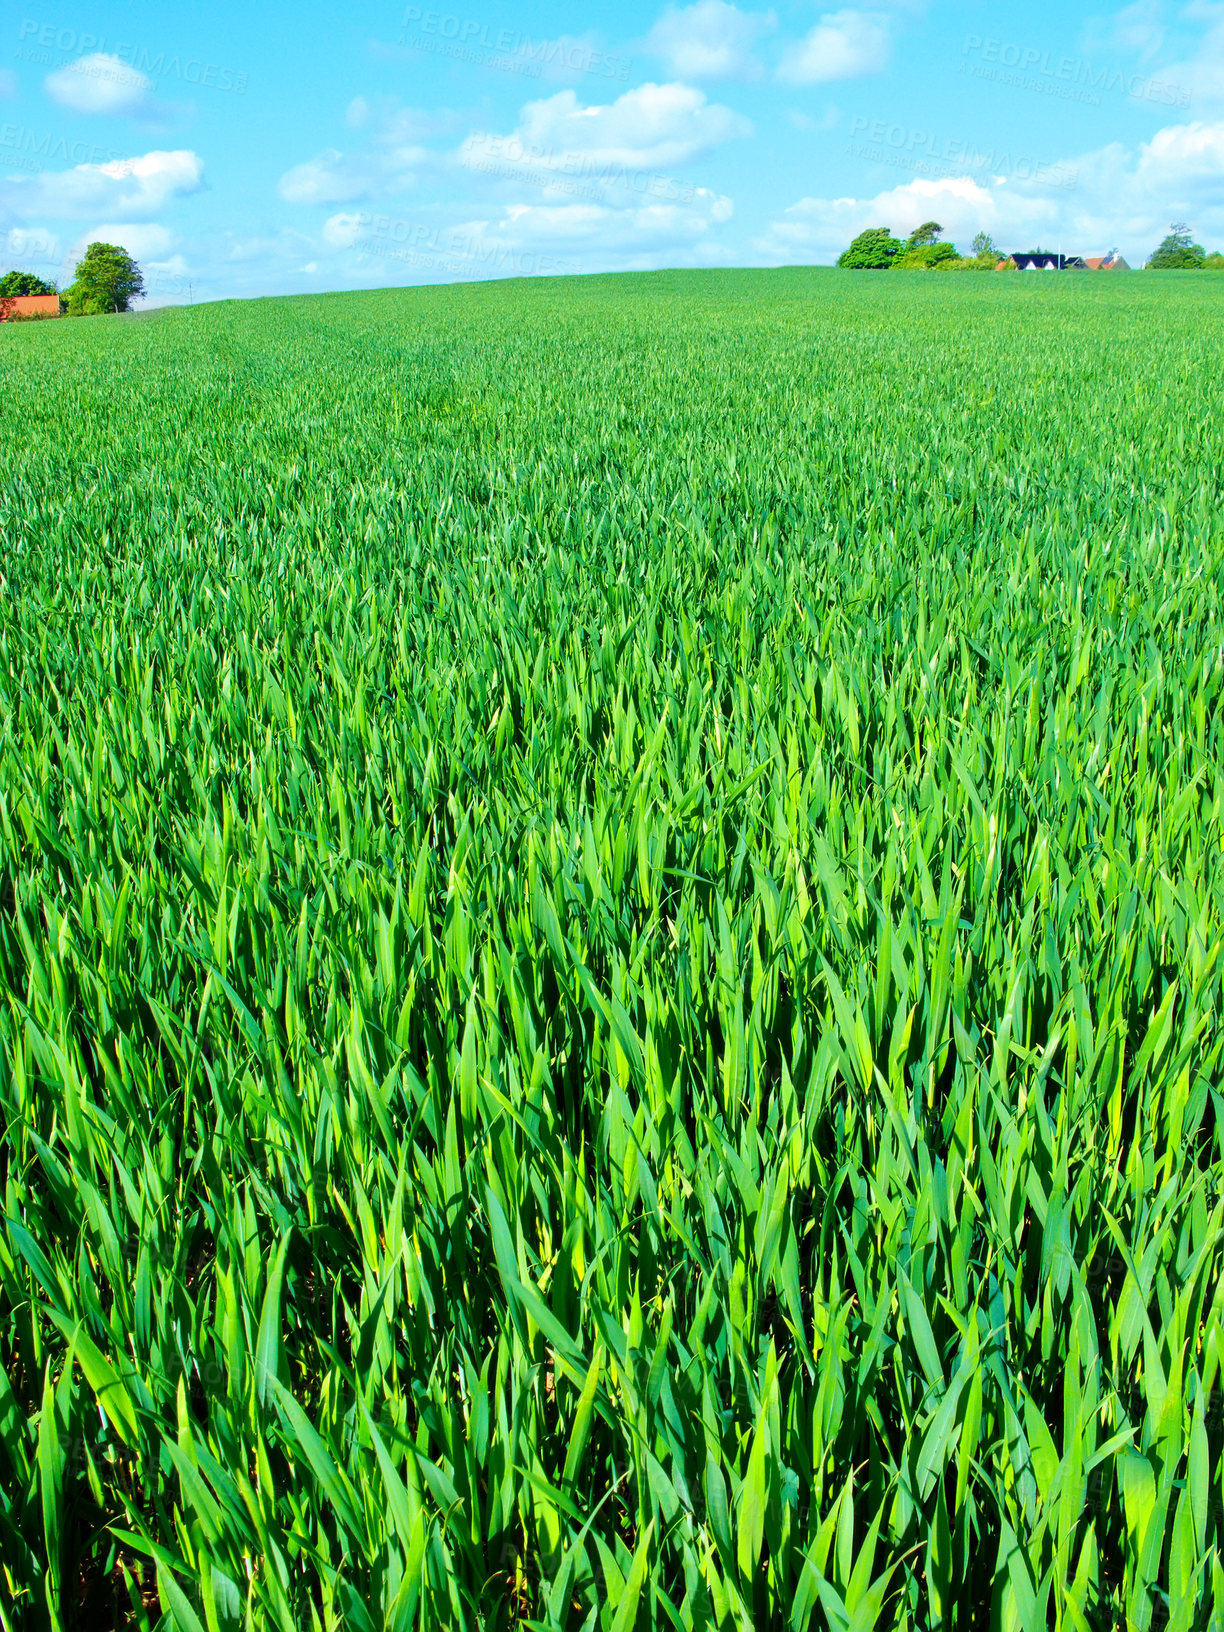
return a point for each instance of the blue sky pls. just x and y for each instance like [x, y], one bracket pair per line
[273, 148]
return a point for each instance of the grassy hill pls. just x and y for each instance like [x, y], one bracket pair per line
[610, 920]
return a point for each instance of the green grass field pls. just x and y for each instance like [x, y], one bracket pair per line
[611, 908]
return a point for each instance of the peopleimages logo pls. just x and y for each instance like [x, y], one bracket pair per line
[1070, 78]
[511, 159]
[507, 47]
[51, 45]
[451, 250]
[434, 244]
[27, 149]
[906, 148]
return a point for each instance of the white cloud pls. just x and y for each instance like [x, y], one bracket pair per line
[843, 45]
[542, 239]
[100, 83]
[1138, 27]
[387, 166]
[276, 249]
[391, 124]
[1199, 77]
[533, 227]
[804, 121]
[710, 40]
[646, 128]
[604, 227]
[145, 240]
[168, 282]
[1179, 60]
[528, 239]
[1179, 174]
[331, 177]
[341, 231]
[133, 188]
[343, 178]
[559, 223]
[561, 145]
[1189, 157]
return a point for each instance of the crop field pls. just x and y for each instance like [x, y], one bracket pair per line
[611, 913]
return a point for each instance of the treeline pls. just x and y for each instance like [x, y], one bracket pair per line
[1179, 253]
[17, 285]
[876, 250]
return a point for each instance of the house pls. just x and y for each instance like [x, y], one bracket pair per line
[1042, 260]
[1112, 262]
[19, 306]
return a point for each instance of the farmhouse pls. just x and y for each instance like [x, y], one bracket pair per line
[1041, 260]
[18, 306]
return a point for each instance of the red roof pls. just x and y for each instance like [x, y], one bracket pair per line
[28, 306]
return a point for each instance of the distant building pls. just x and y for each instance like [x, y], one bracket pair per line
[1042, 260]
[17, 306]
[1045, 260]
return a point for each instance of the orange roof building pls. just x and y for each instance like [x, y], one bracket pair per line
[18, 306]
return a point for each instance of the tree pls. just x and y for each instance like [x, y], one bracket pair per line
[923, 251]
[1214, 262]
[984, 257]
[107, 280]
[872, 251]
[927, 257]
[23, 283]
[1178, 252]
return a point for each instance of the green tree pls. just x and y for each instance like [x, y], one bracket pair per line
[872, 251]
[1178, 252]
[923, 250]
[928, 257]
[984, 256]
[1214, 262]
[23, 283]
[107, 280]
